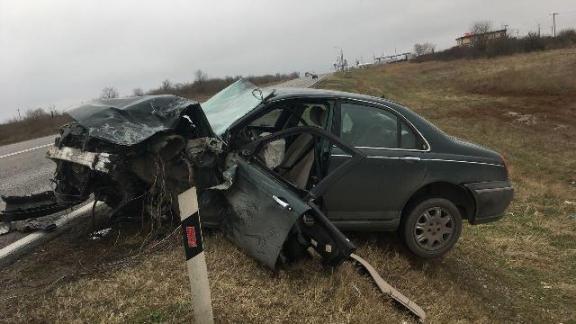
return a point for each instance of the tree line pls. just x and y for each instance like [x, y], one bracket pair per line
[482, 45]
[202, 86]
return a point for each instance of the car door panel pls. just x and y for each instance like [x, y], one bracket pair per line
[261, 213]
[262, 209]
[379, 187]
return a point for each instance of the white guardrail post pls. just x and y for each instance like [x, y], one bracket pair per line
[195, 258]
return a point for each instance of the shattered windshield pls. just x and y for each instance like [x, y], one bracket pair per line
[231, 104]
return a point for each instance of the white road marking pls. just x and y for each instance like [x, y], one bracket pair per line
[26, 150]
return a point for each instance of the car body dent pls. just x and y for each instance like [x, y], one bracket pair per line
[130, 121]
[253, 220]
[263, 208]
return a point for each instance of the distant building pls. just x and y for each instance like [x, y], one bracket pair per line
[469, 39]
[393, 58]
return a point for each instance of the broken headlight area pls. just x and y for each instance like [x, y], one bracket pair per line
[131, 154]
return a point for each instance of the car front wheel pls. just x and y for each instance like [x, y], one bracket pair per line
[432, 227]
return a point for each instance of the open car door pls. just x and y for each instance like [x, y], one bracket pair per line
[266, 214]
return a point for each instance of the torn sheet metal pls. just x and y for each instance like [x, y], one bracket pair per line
[32, 206]
[387, 289]
[4, 228]
[95, 161]
[199, 145]
[260, 214]
[130, 121]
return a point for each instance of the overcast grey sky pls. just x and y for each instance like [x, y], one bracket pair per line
[60, 52]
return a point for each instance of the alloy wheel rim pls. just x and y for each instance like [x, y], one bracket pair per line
[434, 228]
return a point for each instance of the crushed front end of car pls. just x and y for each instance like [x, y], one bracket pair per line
[138, 154]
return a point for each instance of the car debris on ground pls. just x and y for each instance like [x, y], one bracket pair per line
[138, 154]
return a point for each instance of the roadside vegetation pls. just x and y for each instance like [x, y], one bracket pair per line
[203, 87]
[483, 47]
[520, 269]
[35, 123]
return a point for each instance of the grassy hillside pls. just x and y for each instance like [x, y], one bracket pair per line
[521, 269]
[524, 106]
[29, 128]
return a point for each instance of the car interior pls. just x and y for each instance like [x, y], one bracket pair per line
[294, 158]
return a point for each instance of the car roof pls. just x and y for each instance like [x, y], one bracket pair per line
[284, 93]
[435, 138]
[430, 132]
[292, 93]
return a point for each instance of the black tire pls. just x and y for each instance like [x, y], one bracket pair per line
[432, 227]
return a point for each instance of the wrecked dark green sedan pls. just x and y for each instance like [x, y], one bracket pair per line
[279, 171]
[367, 163]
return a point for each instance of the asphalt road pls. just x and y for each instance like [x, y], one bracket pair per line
[24, 168]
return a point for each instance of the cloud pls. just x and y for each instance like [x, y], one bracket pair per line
[64, 51]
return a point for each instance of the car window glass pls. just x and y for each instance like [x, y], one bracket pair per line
[232, 103]
[314, 115]
[268, 120]
[408, 138]
[368, 126]
[301, 114]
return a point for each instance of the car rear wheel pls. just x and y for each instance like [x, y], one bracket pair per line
[432, 227]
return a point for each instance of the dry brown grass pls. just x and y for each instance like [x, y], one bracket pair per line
[520, 269]
[18, 131]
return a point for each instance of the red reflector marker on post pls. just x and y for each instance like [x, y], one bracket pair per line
[195, 258]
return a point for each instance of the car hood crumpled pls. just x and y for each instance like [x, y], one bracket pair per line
[129, 121]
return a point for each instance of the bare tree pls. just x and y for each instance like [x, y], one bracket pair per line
[481, 27]
[424, 48]
[200, 76]
[166, 85]
[34, 114]
[480, 30]
[138, 92]
[109, 93]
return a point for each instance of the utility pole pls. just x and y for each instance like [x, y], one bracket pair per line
[554, 14]
[538, 30]
[19, 115]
